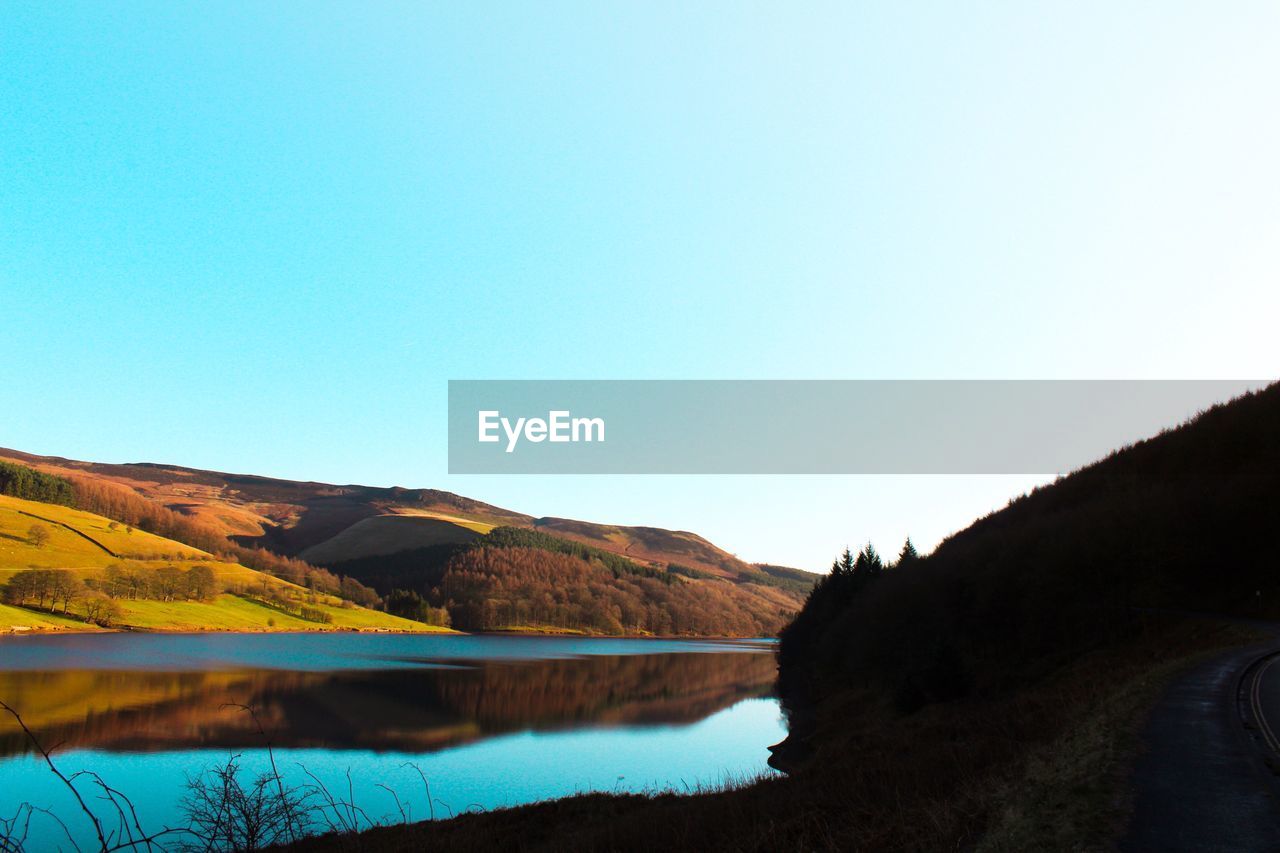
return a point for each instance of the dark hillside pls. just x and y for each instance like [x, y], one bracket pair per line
[1183, 521]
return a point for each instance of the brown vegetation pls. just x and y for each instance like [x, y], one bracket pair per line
[489, 588]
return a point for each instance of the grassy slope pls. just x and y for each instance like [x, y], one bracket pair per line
[649, 545]
[66, 550]
[388, 534]
[476, 524]
[23, 618]
[233, 613]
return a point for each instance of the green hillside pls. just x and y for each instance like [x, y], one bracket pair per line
[119, 577]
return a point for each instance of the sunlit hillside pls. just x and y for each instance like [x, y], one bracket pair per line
[121, 577]
[407, 550]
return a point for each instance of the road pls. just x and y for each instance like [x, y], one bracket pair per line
[1205, 780]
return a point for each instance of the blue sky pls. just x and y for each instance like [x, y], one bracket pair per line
[262, 237]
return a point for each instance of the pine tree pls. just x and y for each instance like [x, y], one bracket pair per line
[868, 565]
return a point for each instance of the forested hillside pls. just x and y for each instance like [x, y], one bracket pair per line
[516, 578]
[1185, 520]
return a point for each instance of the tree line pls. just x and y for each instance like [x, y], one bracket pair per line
[503, 587]
[19, 481]
[96, 599]
[522, 537]
[408, 604]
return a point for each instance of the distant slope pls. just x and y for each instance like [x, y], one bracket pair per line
[77, 538]
[89, 547]
[295, 518]
[382, 535]
[397, 538]
[649, 544]
[285, 515]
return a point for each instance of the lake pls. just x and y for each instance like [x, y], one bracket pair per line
[488, 720]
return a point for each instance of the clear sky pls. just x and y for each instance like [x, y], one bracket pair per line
[260, 237]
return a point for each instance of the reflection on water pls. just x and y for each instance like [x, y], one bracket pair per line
[496, 720]
[400, 709]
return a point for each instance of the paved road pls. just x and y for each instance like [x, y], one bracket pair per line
[1205, 780]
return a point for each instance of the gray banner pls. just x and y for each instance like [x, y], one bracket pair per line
[810, 426]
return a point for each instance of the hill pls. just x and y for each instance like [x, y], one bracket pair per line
[516, 578]
[401, 540]
[63, 568]
[302, 518]
[1182, 521]
[649, 544]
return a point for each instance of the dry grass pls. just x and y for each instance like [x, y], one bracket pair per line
[477, 524]
[67, 550]
[1070, 795]
[387, 534]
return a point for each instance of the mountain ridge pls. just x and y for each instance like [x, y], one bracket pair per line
[292, 516]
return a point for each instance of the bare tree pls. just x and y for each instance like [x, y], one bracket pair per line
[227, 811]
[38, 535]
[64, 586]
[101, 610]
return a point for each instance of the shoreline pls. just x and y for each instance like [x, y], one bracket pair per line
[453, 632]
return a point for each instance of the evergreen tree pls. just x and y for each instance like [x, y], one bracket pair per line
[909, 554]
[868, 565]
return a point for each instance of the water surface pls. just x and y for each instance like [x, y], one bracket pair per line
[489, 720]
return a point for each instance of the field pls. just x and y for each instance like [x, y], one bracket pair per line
[86, 544]
[25, 619]
[66, 549]
[233, 613]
